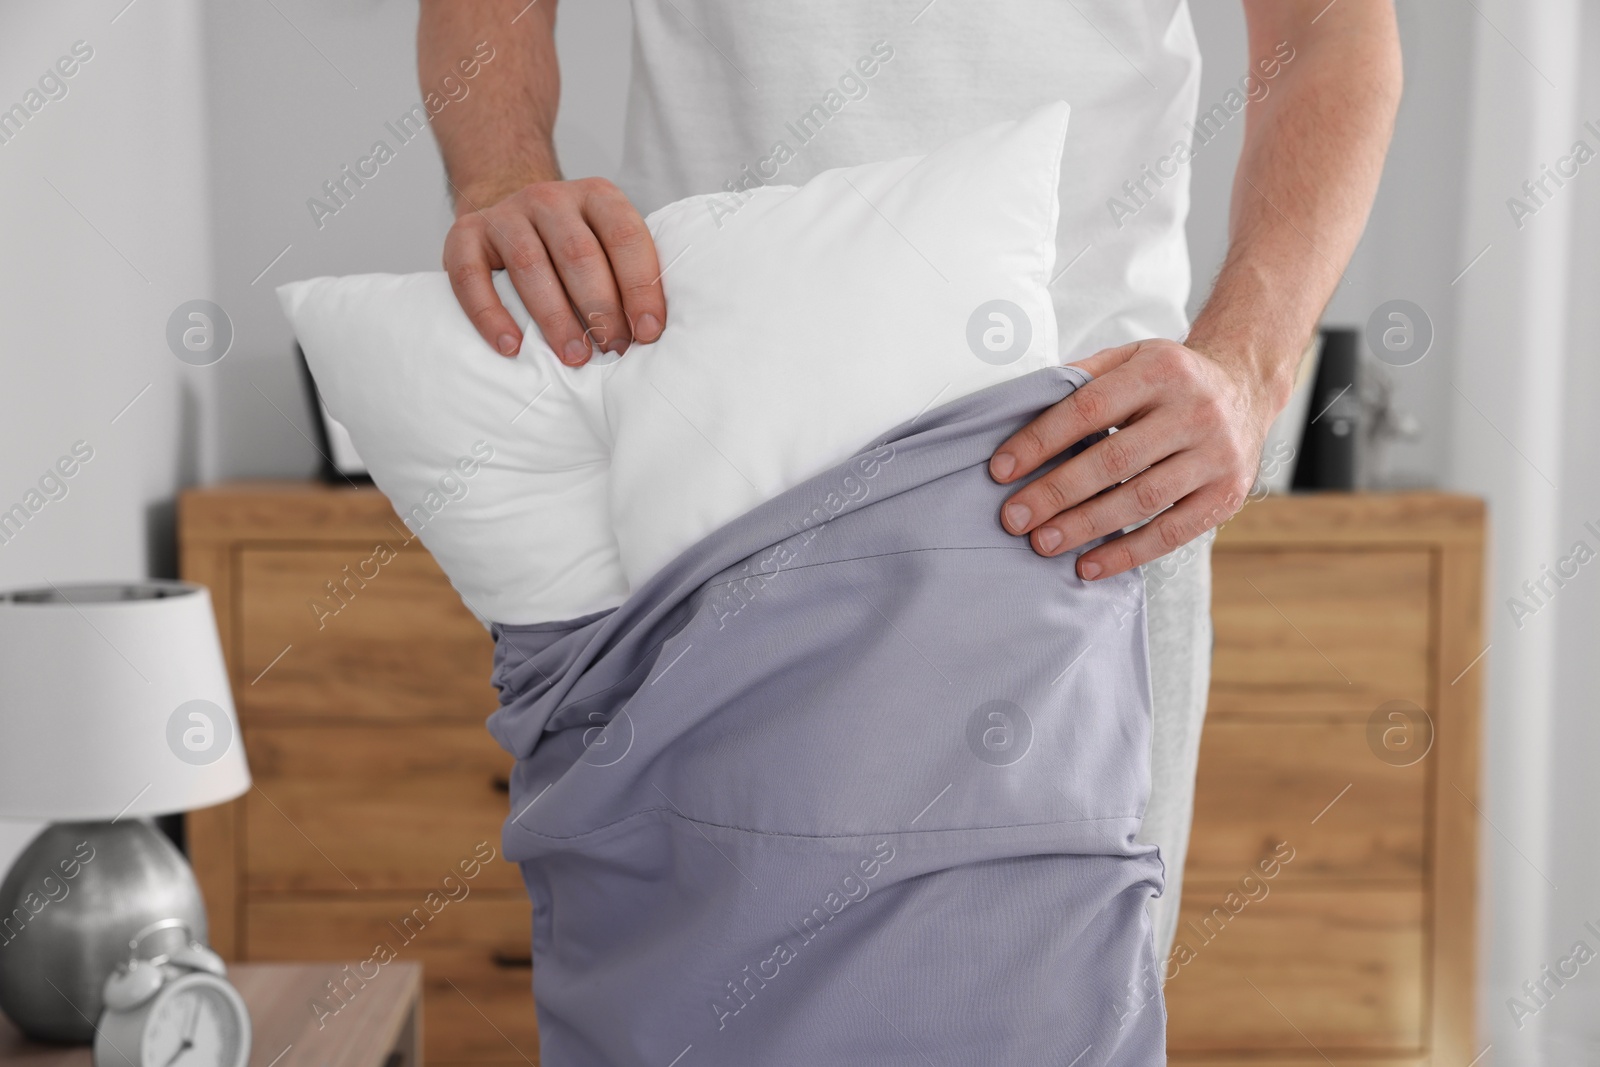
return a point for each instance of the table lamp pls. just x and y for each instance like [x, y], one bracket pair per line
[114, 706]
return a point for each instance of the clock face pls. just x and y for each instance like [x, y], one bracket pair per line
[195, 1022]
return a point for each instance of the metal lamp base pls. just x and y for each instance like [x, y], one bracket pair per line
[68, 908]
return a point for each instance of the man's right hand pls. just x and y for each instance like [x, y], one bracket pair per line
[578, 254]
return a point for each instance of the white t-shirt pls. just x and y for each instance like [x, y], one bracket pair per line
[726, 93]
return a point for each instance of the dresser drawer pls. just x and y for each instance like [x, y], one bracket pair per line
[353, 807]
[1299, 970]
[1317, 786]
[1320, 630]
[391, 641]
[477, 983]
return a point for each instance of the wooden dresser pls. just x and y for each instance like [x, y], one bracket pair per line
[1345, 625]
[362, 684]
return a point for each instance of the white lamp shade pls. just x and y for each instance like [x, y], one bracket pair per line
[114, 701]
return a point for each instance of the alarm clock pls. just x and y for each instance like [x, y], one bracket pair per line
[176, 1009]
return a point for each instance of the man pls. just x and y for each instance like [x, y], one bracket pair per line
[718, 85]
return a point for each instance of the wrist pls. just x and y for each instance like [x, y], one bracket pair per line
[483, 191]
[1258, 321]
[1267, 364]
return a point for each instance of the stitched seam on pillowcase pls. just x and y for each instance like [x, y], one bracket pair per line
[652, 655]
[882, 555]
[820, 837]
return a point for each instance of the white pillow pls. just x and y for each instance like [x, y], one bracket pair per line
[801, 323]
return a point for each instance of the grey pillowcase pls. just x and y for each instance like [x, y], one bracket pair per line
[854, 779]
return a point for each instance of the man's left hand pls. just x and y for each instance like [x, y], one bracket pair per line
[1190, 429]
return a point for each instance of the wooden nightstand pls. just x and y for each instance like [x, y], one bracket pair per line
[378, 1025]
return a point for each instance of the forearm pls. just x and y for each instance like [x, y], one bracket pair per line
[1312, 157]
[501, 140]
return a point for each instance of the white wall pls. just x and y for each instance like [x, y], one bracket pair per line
[1526, 392]
[1573, 835]
[103, 204]
[1410, 248]
[103, 201]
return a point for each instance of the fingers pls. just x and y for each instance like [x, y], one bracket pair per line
[583, 267]
[1187, 453]
[1172, 529]
[632, 254]
[537, 282]
[468, 259]
[1103, 465]
[1134, 501]
[579, 256]
[1103, 403]
[1107, 358]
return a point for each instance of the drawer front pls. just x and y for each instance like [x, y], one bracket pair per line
[392, 641]
[1263, 783]
[477, 985]
[353, 807]
[1320, 630]
[1297, 971]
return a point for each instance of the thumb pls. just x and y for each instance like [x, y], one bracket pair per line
[1107, 359]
